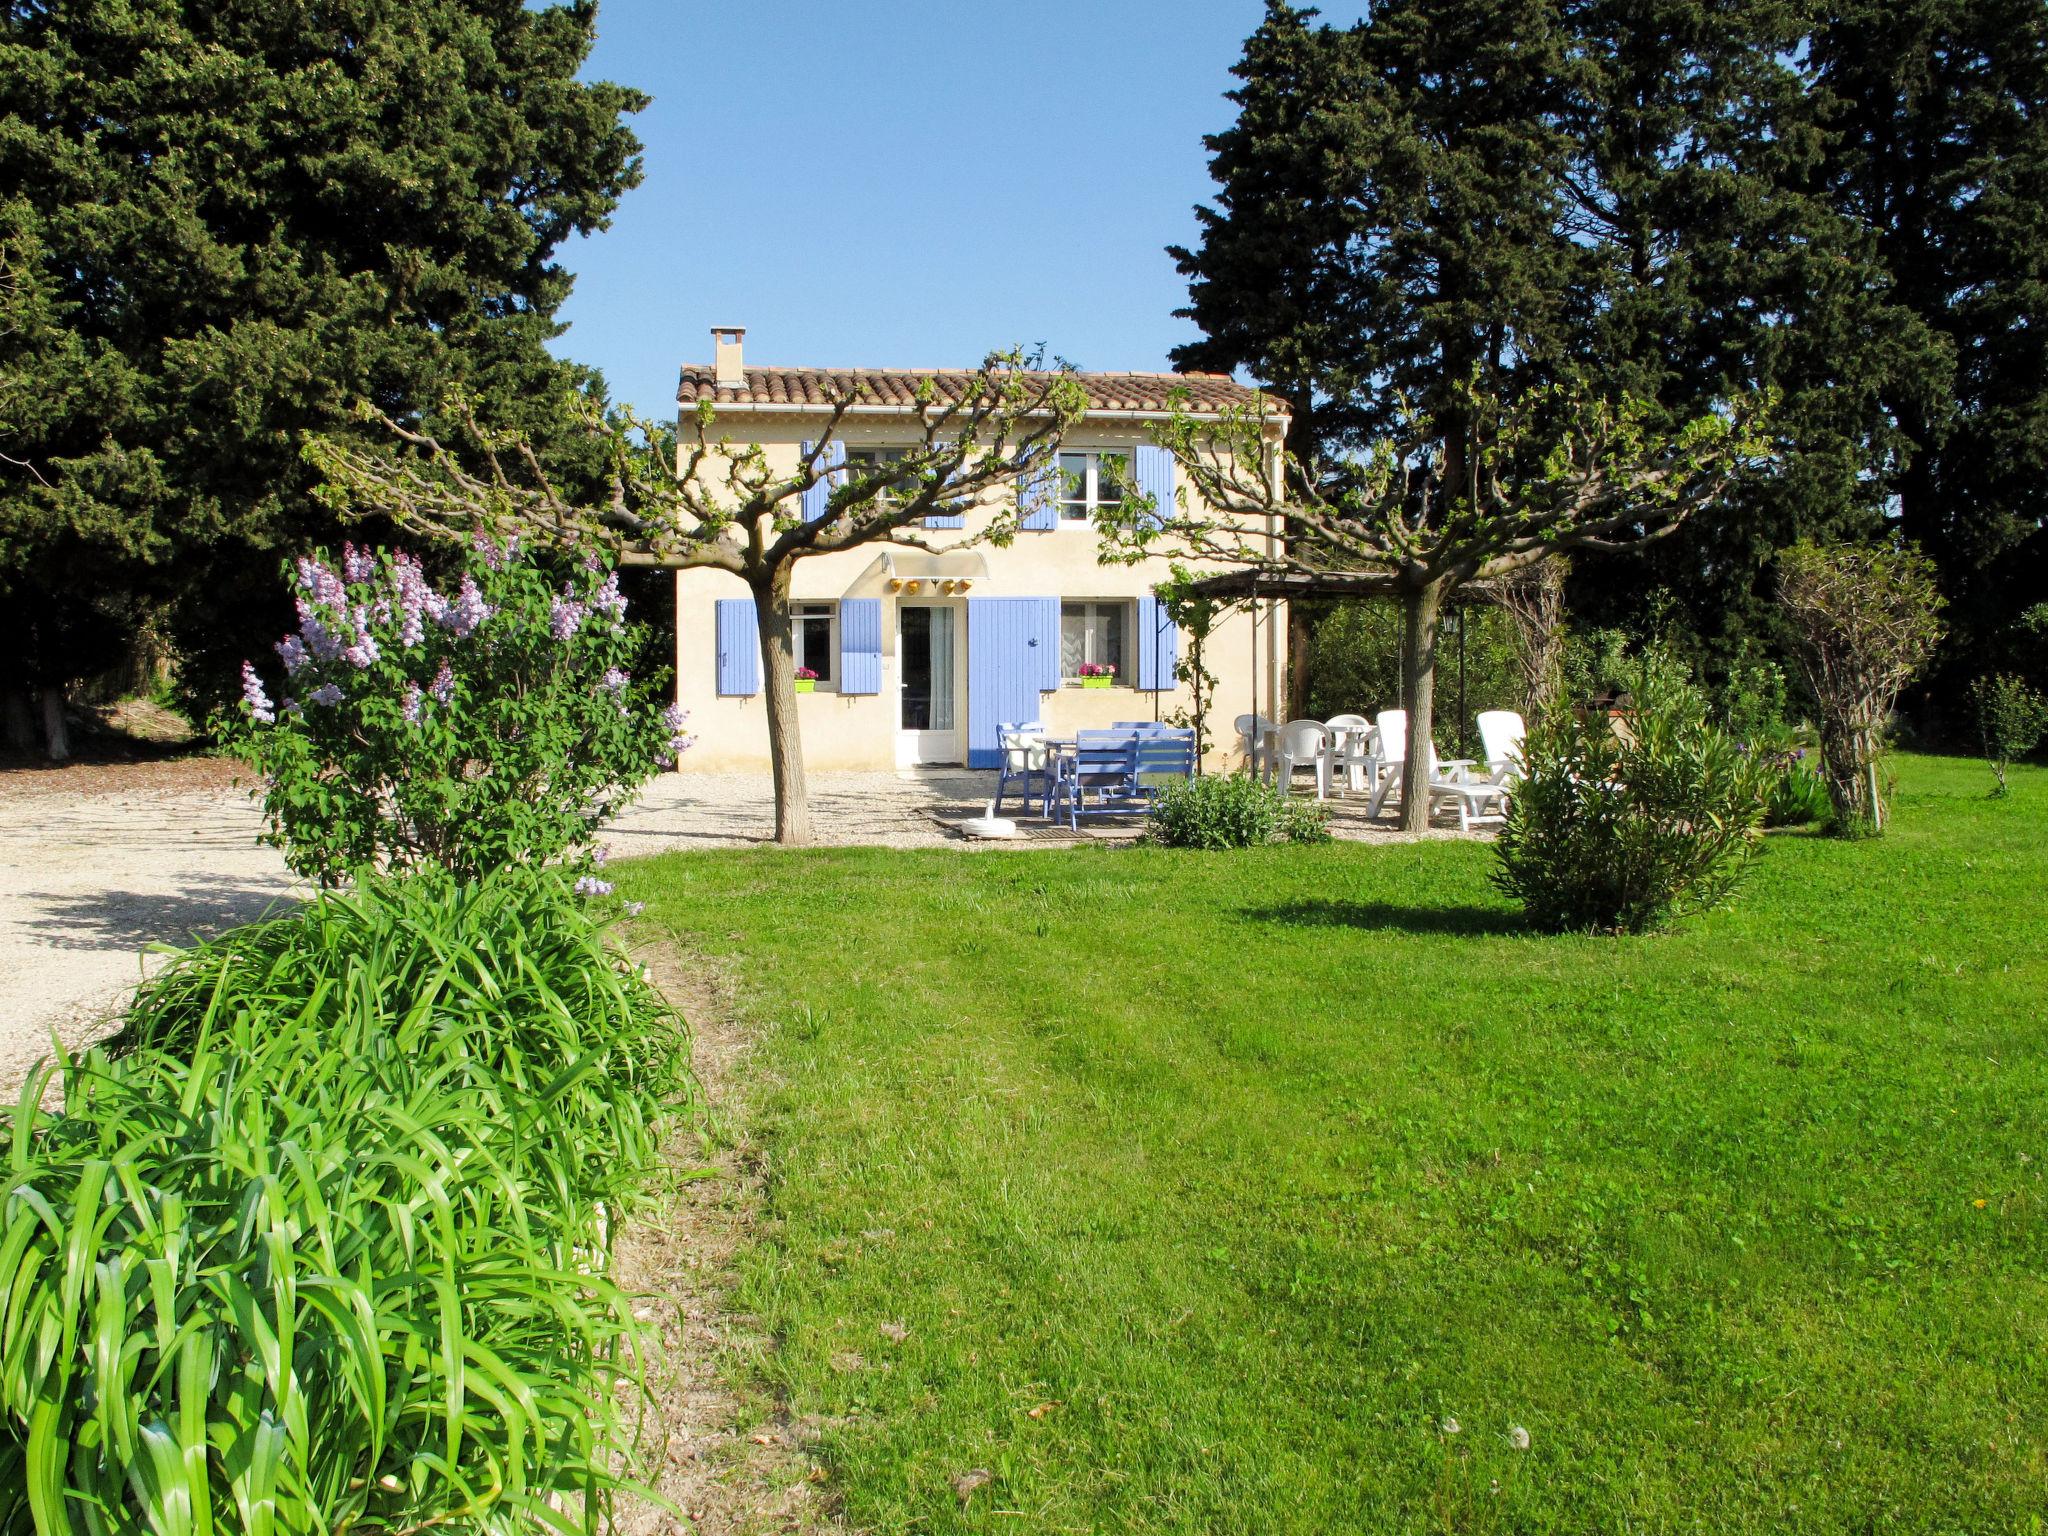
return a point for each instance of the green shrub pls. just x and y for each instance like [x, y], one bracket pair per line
[1234, 812]
[321, 1246]
[1795, 796]
[497, 725]
[1622, 830]
[2012, 719]
[1753, 698]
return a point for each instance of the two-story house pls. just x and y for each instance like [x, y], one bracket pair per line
[920, 657]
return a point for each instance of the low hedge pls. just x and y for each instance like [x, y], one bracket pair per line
[318, 1243]
[1236, 811]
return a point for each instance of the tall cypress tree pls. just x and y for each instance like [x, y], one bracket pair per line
[1700, 173]
[1387, 232]
[1628, 196]
[1937, 112]
[233, 220]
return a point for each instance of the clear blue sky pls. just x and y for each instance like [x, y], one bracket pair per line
[891, 184]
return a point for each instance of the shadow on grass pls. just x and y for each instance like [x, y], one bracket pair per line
[1382, 915]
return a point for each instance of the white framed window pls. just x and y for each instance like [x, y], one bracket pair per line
[1089, 481]
[1092, 635]
[814, 631]
[875, 458]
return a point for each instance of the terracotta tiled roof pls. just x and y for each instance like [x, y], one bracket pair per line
[798, 388]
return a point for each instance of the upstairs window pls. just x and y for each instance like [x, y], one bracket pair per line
[865, 460]
[1089, 481]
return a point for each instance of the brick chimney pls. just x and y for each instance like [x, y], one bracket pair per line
[728, 370]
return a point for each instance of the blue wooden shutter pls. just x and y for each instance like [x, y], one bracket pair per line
[1038, 498]
[954, 519]
[1152, 468]
[739, 646]
[1013, 655]
[1158, 645]
[860, 645]
[819, 496]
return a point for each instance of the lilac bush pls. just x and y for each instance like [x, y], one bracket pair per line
[497, 723]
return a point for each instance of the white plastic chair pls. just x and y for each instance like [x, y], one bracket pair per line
[1251, 733]
[1303, 744]
[1025, 757]
[1389, 752]
[1501, 734]
[1478, 801]
[1349, 741]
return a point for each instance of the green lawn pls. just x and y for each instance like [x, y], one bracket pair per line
[1259, 1167]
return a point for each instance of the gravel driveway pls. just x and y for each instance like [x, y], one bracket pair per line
[98, 863]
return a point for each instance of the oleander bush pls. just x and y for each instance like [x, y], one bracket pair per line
[495, 723]
[320, 1243]
[1238, 811]
[1621, 830]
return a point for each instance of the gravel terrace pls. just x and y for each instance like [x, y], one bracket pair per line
[98, 862]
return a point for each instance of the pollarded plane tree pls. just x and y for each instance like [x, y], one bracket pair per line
[1430, 512]
[697, 499]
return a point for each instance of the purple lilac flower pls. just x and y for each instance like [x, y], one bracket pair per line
[315, 633]
[443, 685]
[320, 584]
[254, 696]
[327, 693]
[635, 908]
[364, 652]
[608, 598]
[488, 549]
[290, 706]
[565, 617]
[467, 611]
[590, 885]
[356, 564]
[599, 855]
[293, 650]
[412, 703]
[672, 720]
[413, 597]
[615, 680]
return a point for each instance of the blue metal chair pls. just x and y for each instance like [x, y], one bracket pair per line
[1098, 778]
[1023, 759]
[1168, 753]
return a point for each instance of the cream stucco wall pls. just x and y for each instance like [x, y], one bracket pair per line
[1246, 651]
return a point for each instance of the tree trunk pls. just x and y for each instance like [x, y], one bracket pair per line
[1300, 646]
[1421, 608]
[778, 691]
[21, 722]
[56, 733]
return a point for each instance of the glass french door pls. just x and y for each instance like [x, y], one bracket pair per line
[926, 673]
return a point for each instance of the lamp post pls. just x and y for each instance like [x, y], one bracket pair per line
[1454, 621]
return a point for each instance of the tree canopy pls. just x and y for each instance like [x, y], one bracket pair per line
[224, 225]
[1660, 201]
